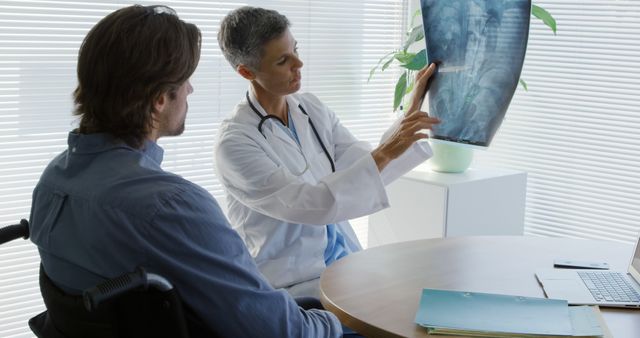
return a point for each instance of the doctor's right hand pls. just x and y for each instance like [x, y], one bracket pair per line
[411, 126]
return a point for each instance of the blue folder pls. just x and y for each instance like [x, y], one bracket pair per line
[442, 310]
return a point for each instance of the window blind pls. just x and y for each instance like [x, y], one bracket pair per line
[576, 130]
[340, 41]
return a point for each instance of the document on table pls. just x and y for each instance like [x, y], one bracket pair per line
[494, 315]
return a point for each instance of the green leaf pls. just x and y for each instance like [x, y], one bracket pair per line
[373, 70]
[404, 57]
[416, 34]
[543, 15]
[415, 15]
[386, 64]
[524, 85]
[401, 86]
[418, 62]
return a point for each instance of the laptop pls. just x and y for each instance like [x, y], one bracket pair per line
[595, 287]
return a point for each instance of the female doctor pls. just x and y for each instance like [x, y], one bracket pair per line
[292, 173]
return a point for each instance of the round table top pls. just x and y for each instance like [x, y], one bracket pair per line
[377, 291]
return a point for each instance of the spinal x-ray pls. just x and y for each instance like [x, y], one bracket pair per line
[479, 46]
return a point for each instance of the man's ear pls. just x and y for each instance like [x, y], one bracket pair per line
[160, 102]
[245, 72]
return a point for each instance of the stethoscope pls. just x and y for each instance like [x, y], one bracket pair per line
[264, 118]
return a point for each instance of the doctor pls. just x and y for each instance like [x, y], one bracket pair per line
[292, 172]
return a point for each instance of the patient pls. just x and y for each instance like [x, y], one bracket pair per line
[104, 205]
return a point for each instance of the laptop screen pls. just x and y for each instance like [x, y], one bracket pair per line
[634, 267]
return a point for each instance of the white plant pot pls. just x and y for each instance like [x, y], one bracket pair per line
[450, 158]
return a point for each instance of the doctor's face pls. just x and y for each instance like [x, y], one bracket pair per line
[279, 72]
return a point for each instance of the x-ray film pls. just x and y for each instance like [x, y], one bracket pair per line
[479, 46]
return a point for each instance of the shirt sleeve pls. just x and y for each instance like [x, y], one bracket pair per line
[347, 147]
[258, 182]
[191, 243]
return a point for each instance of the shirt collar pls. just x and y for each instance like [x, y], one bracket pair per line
[101, 142]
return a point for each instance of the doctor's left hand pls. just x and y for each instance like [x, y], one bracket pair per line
[411, 126]
[420, 88]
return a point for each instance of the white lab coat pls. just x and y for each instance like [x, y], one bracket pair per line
[282, 217]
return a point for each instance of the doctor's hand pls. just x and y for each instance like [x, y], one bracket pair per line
[404, 136]
[420, 88]
[411, 126]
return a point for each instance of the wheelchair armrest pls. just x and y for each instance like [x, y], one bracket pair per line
[15, 231]
[116, 286]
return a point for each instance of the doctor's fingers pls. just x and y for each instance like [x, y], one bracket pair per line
[420, 89]
[405, 142]
[419, 136]
[402, 141]
[415, 127]
[424, 74]
[421, 116]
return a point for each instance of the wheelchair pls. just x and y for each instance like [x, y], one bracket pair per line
[135, 304]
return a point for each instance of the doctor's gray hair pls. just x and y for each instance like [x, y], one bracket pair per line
[244, 32]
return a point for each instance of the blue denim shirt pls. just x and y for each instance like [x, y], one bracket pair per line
[102, 208]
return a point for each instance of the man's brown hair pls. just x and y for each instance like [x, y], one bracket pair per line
[129, 59]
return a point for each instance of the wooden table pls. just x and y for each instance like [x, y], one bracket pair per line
[376, 292]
